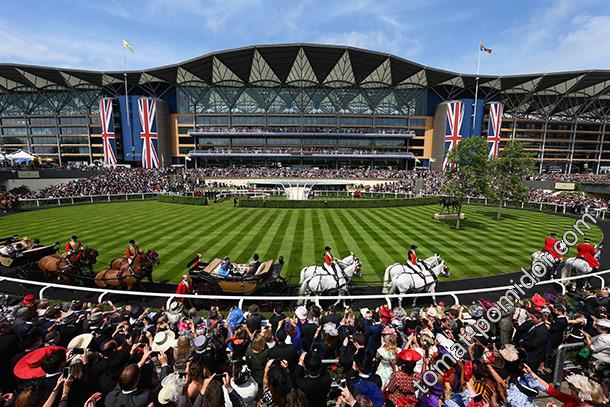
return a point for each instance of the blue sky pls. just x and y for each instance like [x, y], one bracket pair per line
[526, 36]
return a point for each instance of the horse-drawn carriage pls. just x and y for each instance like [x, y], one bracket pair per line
[266, 278]
[18, 255]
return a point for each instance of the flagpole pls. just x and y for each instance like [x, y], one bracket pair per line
[125, 80]
[476, 91]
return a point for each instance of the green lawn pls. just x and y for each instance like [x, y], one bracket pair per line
[378, 236]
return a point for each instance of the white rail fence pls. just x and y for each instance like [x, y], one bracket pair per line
[240, 299]
[266, 193]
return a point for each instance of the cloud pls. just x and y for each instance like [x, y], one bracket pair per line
[398, 44]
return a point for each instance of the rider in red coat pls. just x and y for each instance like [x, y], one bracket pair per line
[185, 287]
[73, 246]
[586, 251]
[549, 246]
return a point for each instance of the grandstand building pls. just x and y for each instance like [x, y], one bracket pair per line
[301, 105]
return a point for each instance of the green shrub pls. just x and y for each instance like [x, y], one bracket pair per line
[185, 200]
[336, 203]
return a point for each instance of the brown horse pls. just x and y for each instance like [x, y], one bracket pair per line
[126, 276]
[62, 268]
[151, 254]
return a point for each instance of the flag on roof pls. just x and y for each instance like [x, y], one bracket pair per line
[127, 45]
[484, 48]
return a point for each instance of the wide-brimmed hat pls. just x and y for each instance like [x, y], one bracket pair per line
[432, 312]
[81, 341]
[604, 323]
[163, 341]
[69, 316]
[330, 328]
[96, 317]
[408, 355]
[509, 353]
[174, 312]
[582, 384]
[171, 389]
[385, 314]
[29, 366]
[301, 312]
[539, 300]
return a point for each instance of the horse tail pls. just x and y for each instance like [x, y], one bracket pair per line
[386, 277]
[302, 275]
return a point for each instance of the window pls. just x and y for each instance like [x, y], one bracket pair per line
[42, 121]
[75, 150]
[15, 130]
[43, 130]
[186, 120]
[74, 120]
[74, 130]
[19, 121]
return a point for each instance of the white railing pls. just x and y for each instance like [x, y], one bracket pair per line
[240, 299]
[86, 199]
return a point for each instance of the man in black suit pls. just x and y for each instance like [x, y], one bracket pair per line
[534, 340]
[558, 326]
[127, 393]
[283, 350]
[53, 366]
[313, 381]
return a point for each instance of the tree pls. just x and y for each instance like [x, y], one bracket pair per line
[470, 175]
[508, 171]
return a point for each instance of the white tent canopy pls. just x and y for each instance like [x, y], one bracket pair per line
[21, 157]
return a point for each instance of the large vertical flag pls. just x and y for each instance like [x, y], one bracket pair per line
[108, 140]
[493, 131]
[148, 120]
[455, 117]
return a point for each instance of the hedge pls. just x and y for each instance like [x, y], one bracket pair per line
[336, 203]
[186, 200]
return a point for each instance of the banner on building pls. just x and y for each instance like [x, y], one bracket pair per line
[108, 139]
[453, 132]
[494, 128]
[147, 108]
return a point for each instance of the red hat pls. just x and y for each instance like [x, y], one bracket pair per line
[408, 355]
[539, 300]
[385, 313]
[28, 300]
[28, 366]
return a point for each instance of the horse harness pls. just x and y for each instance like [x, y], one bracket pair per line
[420, 274]
[335, 275]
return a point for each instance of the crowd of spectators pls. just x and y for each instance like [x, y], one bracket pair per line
[584, 177]
[309, 130]
[179, 180]
[85, 354]
[576, 202]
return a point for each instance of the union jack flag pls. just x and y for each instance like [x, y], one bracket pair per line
[148, 120]
[455, 117]
[493, 131]
[108, 140]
